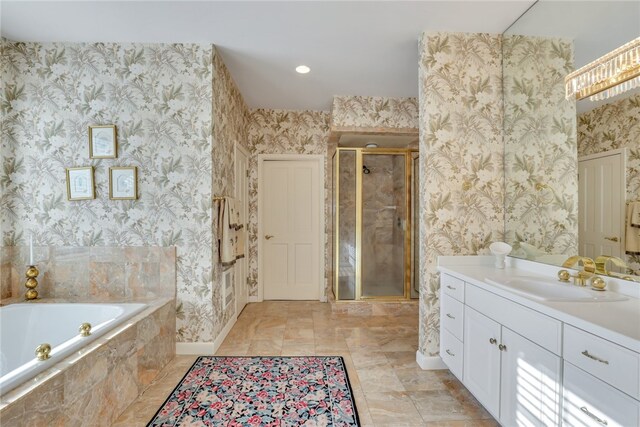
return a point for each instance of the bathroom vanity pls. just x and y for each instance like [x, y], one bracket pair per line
[535, 351]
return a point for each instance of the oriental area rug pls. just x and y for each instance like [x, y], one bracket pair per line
[261, 391]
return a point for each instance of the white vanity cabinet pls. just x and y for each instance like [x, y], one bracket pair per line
[529, 368]
[516, 380]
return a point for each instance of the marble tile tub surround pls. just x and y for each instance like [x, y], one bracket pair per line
[95, 273]
[379, 350]
[94, 386]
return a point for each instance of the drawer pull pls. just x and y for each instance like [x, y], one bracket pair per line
[502, 347]
[591, 356]
[451, 287]
[594, 416]
[450, 316]
[492, 341]
[450, 353]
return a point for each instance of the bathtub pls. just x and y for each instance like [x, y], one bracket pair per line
[23, 327]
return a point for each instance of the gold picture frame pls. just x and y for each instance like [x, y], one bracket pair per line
[123, 183]
[103, 142]
[80, 183]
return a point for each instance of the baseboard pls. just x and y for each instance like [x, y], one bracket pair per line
[431, 363]
[253, 298]
[205, 348]
[199, 348]
[223, 333]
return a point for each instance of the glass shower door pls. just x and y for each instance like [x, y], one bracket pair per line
[384, 215]
[346, 225]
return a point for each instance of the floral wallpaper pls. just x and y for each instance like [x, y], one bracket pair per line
[160, 98]
[230, 118]
[284, 132]
[374, 112]
[610, 127]
[461, 149]
[540, 145]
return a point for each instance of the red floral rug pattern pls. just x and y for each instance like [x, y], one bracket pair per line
[261, 391]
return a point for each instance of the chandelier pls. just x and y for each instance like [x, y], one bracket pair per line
[612, 74]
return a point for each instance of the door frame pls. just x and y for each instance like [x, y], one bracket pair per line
[243, 286]
[320, 160]
[622, 152]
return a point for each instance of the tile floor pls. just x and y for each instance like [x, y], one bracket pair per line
[389, 387]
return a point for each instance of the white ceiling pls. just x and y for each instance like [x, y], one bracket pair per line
[352, 47]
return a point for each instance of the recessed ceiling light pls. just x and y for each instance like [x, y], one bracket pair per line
[303, 69]
[371, 145]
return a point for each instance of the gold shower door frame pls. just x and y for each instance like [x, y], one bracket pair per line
[410, 157]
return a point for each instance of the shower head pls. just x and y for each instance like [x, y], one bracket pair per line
[365, 170]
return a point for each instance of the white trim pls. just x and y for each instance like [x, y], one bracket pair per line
[239, 148]
[319, 159]
[615, 152]
[224, 332]
[432, 363]
[206, 348]
[198, 348]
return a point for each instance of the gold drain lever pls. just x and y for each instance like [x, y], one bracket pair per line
[85, 329]
[43, 351]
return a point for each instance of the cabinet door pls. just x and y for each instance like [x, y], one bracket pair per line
[530, 383]
[481, 373]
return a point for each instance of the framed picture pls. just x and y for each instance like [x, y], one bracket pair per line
[123, 183]
[80, 184]
[103, 142]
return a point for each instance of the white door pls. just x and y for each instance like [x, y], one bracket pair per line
[530, 391]
[601, 213]
[242, 194]
[481, 372]
[290, 212]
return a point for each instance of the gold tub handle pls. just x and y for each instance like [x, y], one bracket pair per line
[43, 351]
[85, 329]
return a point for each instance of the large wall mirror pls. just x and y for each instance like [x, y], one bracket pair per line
[572, 168]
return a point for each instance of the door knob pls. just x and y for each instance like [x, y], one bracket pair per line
[268, 236]
[613, 239]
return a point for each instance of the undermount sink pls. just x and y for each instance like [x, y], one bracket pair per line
[551, 290]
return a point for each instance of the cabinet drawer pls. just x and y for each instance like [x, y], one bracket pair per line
[537, 327]
[451, 352]
[603, 359]
[452, 315]
[587, 401]
[452, 286]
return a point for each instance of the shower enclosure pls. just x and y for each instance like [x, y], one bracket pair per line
[374, 243]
